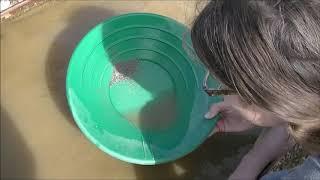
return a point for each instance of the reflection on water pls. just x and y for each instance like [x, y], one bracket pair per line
[16, 158]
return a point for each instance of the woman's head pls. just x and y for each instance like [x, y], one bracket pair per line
[269, 52]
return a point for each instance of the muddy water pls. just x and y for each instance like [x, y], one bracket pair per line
[38, 136]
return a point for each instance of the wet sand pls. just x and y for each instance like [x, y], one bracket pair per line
[39, 138]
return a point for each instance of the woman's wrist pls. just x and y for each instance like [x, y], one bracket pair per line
[250, 166]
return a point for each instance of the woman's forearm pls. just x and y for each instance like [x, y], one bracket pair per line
[270, 145]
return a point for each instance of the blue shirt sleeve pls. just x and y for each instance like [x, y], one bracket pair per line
[309, 170]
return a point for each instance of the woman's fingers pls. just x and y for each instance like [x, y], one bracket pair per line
[214, 110]
[220, 127]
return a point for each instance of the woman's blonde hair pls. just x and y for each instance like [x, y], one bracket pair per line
[269, 52]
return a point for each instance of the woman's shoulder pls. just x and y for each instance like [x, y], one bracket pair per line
[308, 170]
[315, 160]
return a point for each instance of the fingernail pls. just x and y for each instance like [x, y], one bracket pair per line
[208, 115]
[212, 132]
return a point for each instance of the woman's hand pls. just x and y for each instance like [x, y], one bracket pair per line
[236, 116]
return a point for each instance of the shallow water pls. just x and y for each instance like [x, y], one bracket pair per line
[37, 129]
